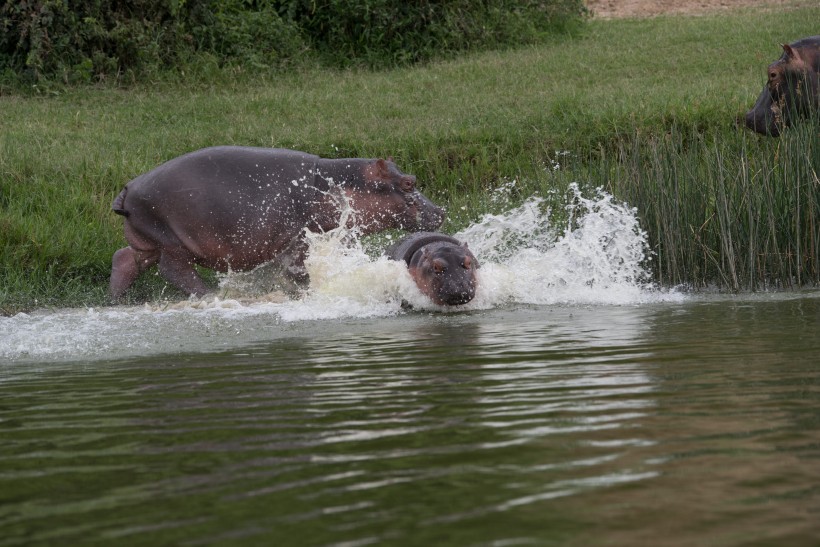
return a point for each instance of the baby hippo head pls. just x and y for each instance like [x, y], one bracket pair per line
[445, 272]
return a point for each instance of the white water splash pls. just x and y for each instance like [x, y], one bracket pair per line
[597, 258]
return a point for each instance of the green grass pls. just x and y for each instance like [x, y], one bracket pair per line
[641, 105]
[734, 210]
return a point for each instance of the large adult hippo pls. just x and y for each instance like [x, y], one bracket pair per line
[442, 267]
[792, 90]
[235, 208]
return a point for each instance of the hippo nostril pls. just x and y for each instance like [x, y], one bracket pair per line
[456, 299]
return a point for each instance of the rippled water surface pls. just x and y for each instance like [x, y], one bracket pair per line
[570, 403]
[683, 423]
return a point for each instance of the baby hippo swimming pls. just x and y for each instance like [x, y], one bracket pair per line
[442, 267]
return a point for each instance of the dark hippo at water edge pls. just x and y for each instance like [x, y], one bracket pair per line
[792, 90]
[442, 267]
[236, 208]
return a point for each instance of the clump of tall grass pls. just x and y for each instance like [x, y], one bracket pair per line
[736, 211]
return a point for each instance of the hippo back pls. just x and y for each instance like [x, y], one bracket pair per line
[405, 248]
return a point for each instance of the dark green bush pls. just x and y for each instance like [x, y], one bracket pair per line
[389, 32]
[246, 32]
[76, 41]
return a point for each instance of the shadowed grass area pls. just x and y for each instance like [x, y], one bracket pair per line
[646, 108]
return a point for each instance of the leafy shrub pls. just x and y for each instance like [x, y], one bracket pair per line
[76, 41]
[85, 40]
[246, 32]
[389, 32]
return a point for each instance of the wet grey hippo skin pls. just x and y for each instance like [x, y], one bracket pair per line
[235, 208]
[442, 267]
[792, 90]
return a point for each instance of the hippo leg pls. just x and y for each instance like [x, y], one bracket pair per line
[126, 265]
[178, 269]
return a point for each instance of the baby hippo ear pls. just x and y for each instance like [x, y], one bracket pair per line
[439, 265]
[470, 261]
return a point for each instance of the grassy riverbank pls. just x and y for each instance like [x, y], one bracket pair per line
[646, 108]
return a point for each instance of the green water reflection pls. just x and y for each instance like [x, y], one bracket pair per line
[664, 424]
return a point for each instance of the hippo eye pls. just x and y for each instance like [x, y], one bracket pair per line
[407, 184]
[439, 266]
[467, 263]
[383, 187]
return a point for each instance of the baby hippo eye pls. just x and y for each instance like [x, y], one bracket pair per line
[439, 266]
[468, 263]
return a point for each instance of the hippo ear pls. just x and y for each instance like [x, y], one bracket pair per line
[382, 169]
[789, 51]
[470, 261]
[377, 173]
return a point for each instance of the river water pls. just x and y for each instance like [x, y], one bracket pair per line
[570, 403]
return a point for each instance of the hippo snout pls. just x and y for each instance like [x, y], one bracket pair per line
[428, 216]
[762, 117]
[763, 120]
[463, 298]
[432, 219]
[457, 292]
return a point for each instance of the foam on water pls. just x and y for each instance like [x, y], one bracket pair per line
[598, 257]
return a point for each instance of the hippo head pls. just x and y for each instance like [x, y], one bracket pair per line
[389, 199]
[445, 273]
[791, 90]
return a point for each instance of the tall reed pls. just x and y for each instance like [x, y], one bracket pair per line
[731, 210]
